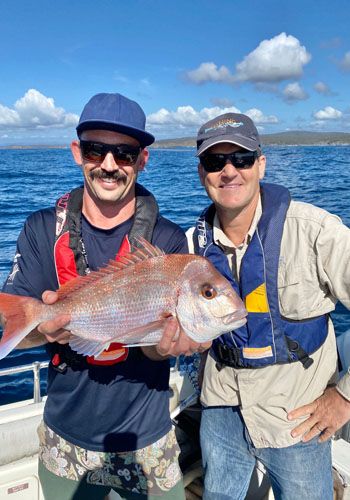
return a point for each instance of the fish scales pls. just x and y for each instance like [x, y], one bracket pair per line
[121, 305]
[128, 302]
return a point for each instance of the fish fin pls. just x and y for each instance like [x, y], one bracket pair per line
[17, 316]
[138, 254]
[141, 345]
[143, 335]
[146, 247]
[87, 347]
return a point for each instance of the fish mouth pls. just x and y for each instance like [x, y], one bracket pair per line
[239, 315]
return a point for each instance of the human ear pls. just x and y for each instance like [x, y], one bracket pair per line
[144, 155]
[201, 173]
[75, 149]
[261, 166]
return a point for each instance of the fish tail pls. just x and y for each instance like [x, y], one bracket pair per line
[18, 316]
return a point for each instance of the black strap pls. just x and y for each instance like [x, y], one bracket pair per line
[302, 355]
[228, 356]
[75, 204]
[146, 215]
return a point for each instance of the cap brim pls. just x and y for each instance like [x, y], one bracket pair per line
[144, 138]
[243, 142]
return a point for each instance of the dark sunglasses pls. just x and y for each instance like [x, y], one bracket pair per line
[96, 152]
[215, 162]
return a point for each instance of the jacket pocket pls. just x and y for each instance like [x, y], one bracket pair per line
[291, 291]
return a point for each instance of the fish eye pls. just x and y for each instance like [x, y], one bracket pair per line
[208, 292]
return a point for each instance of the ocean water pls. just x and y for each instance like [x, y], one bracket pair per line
[35, 178]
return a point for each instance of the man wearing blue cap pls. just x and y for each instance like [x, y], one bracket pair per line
[106, 420]
[269, 390]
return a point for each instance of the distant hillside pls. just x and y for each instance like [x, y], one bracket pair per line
[184, 142]
[294, 138]
[305, 138]
[280, 139]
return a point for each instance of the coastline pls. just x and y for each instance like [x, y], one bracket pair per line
[296, 138]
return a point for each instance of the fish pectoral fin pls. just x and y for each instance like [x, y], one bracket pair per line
[87, 347]
[149, 334]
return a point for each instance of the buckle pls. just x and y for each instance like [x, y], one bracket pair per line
[229, 356]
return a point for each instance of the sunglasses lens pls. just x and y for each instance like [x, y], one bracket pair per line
[216, 162]
[126, 157]
[244, 160]
[92, 151]
[213, 163]
[96, 152]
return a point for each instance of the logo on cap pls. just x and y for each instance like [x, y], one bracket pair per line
[223, 124]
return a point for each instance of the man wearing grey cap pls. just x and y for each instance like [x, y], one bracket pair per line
[269, 388]
[106, 420]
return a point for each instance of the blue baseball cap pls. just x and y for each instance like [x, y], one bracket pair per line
[117, 113]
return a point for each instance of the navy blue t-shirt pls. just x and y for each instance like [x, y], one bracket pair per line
[113, 408]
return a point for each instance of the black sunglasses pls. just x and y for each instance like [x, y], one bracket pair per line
[96, 152]
[215, 162]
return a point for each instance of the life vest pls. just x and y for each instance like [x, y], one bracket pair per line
[267, 338]
[71, 260]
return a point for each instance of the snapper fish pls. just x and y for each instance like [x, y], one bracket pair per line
[128, 302]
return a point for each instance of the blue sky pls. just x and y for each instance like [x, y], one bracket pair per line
[286, 64]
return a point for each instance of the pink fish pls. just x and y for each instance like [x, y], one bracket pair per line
[128, 302]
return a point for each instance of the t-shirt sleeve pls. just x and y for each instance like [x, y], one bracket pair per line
[33, 268]
[169, 237]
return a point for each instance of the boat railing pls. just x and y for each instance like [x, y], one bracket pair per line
[35, 368]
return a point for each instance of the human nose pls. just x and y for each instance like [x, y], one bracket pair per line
[229, 169]
[109, 162]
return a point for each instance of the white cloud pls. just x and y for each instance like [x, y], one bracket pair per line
[274, 60]
[294, 92]
[259, 118]
[345, 62]
[279, 58]
[35, 111]
[322, 88]
[8, 117]
[186, 118]
[328, 113]
[209, 72]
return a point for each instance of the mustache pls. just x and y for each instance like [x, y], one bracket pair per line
[103, 174]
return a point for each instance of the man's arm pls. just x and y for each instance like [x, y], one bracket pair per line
[330, 411]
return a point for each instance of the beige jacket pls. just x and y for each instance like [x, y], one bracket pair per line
[314, 273]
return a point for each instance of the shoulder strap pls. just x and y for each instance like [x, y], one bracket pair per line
[68, 218]
[146, 215]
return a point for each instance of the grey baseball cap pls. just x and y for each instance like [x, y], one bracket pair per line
[236, 128]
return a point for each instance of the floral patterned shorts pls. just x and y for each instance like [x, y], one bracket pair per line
[153, 470]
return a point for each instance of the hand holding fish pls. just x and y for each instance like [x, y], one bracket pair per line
[174, 342]
[53, 329]
[130, 302]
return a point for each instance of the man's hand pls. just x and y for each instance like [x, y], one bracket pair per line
[53, 329]
[173, 343]
[326, 415]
